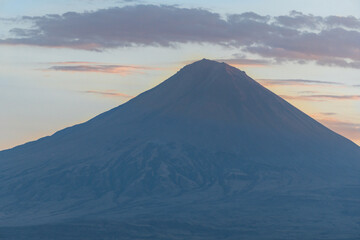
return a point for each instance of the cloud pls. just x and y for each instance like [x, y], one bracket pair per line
[8, 19]
[109, 93]
[299, 20]
[122, 27]
[328, 113]
[340, 21]
[338, 62]
[321, 97]
[296, 37]
[248, 16]
[97, 68]
[297, 82]
[331, 97]
[336, 123]
[243, 61]
[348, 129]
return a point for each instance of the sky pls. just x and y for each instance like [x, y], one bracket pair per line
[64, 62]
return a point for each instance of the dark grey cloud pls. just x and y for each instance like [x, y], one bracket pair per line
[329, 47]
[248, 16]
[122, 27]
[339, 62]
[339, 21]
[296, 37]
[299, 20]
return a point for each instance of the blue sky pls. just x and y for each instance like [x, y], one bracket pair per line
[63, 69]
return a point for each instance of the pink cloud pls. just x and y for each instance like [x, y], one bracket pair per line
[321, 97]
[298, 82]
[350, 130]
[109, 93]
[98, 68]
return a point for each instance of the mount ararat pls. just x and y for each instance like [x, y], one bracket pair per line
[207, 154]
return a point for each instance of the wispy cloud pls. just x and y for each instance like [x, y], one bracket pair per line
[337, 123]
[328, 113]
[8, 20]
[321, 97]
[242, 60]
[332, 97]
[295, 37]
[350, 130]
[109, 93]
[297, 82]
[97, 68]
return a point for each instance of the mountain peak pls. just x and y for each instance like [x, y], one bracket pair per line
[219, 74]
[208, 61]
[208, 64]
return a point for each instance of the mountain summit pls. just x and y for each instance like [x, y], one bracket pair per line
[207, 154]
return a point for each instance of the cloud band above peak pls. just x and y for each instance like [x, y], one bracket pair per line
[330, 41]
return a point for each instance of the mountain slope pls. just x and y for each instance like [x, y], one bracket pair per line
[208, 143]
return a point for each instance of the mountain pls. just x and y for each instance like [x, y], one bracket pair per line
[207, 154]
